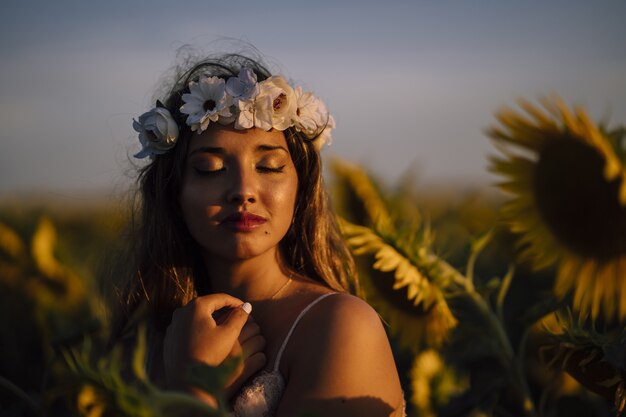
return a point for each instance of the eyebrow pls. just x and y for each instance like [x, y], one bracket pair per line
[208, 149]
[265, 148]
[222, 151]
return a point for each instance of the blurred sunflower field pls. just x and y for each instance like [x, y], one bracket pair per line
[505, 301]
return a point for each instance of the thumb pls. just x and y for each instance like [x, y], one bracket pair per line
[235, 321]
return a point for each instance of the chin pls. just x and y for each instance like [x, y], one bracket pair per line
[241, 251]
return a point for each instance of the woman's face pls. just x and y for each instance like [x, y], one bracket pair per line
[239, 191]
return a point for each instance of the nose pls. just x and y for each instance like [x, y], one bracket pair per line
[243, 188]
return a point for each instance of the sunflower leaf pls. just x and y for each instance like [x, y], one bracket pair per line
[212, 379]
[476, 248]
[504, 288]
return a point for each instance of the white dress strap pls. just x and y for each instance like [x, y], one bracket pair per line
[293, 326]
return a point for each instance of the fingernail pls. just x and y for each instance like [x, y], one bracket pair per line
[247, 307]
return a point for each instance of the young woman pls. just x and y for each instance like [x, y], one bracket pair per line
[238, 254]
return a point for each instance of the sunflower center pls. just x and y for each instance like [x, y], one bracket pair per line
[209, 105]
[278, 101]
[580, 207]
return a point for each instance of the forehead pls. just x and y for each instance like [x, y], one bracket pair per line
[237, 141]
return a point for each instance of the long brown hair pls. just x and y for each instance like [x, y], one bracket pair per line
[166, 270]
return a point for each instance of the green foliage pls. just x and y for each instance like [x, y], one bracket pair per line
[596, 357]
[104, 389]
[60, 327]
[494, 300]
[44, 304]
[210, 378]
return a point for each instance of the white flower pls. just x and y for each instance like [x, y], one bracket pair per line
[157, 130]
[245, 117]
[269, 104]
[226, 120]
[325, 138]
[263, 112]
[206, 102]
[311, 114]
[244, 86]
[275, 106]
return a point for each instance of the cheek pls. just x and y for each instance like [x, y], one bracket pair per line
[196, 204]
[282, 198]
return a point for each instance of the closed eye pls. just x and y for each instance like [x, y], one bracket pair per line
[270, 169]
[208, 171]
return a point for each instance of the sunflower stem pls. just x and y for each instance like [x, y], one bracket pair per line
[519, 363]
[507, 354]
[479, 301]
[508, 357]
[496, 325]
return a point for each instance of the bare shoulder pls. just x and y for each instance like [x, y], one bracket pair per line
[339, 352]
[338, 320]
[342, 324]
[343, 313]
[337, 314]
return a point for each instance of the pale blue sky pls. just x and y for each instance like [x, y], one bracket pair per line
[409, 82]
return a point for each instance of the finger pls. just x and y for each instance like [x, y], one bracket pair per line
[220, 315]
[236, 350]
[254, 364]
[251, 366]
[233, 324]
[253, 345]
[249, 330]
[214, 302]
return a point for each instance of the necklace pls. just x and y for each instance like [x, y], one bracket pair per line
[281, 288]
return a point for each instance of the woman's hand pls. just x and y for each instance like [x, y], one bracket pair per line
[249, 347]
[195, 336]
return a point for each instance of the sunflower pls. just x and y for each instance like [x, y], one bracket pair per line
[406, 295]
[434, 383]
[593, 358]
[398, 275]
[569, 205]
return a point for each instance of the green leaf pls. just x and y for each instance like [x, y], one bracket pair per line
[504, 289]
[476, 248]
[139, 354]
[212, 379]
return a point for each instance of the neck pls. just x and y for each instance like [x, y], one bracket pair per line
[252, 279]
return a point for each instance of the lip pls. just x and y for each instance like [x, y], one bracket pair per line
[243, 221]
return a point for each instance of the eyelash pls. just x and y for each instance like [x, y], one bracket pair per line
[271, 170]
[207, 173]
[261, 169]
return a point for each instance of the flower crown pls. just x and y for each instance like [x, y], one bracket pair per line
[269, 104]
